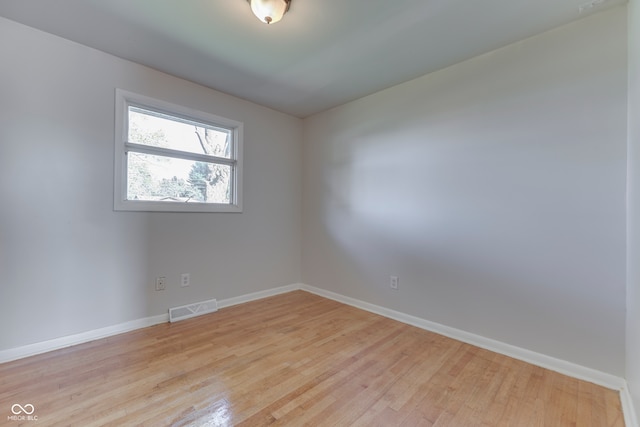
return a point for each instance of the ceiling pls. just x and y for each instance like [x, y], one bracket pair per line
[322, 54]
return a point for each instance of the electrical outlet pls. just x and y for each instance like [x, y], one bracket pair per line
[161, 283]
[185, 279]
[393, 282]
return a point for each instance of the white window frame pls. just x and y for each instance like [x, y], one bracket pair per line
[124, 99]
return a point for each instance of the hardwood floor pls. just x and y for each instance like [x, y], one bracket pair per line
[291, 360]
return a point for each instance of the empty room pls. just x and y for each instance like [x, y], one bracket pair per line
[319, 212]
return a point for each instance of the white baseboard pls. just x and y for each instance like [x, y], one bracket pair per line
[83, 337]
[538, 359]
[630, 415]
[70, 340]
[258, 295]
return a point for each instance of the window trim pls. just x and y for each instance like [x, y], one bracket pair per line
[125, 99]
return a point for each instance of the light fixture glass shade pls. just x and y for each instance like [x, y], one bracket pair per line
[269, 11]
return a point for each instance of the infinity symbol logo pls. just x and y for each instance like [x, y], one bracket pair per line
[18, 409]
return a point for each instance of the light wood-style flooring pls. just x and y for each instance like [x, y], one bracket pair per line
[291, 360]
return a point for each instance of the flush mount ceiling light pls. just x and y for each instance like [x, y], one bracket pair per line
[269, 11]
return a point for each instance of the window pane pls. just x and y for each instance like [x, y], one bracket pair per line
[166, 179]
[161, 130]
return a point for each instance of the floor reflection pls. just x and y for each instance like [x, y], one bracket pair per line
[218, 414]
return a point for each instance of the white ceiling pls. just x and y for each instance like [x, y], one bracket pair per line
[322, 54]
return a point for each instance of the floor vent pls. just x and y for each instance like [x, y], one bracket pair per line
[192, 310]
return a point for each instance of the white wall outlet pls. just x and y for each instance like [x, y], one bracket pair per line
[185, 279]
[393, 282]
[161, 283]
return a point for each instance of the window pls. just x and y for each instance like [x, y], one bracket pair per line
[174, 159]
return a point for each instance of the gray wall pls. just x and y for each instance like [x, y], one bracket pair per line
[68, 263]
[495, 190]
[633, 209]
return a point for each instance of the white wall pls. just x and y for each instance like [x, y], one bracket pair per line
[68, 263]
[495, 190]
[633, 206]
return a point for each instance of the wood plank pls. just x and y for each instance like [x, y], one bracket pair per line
[295, 359]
